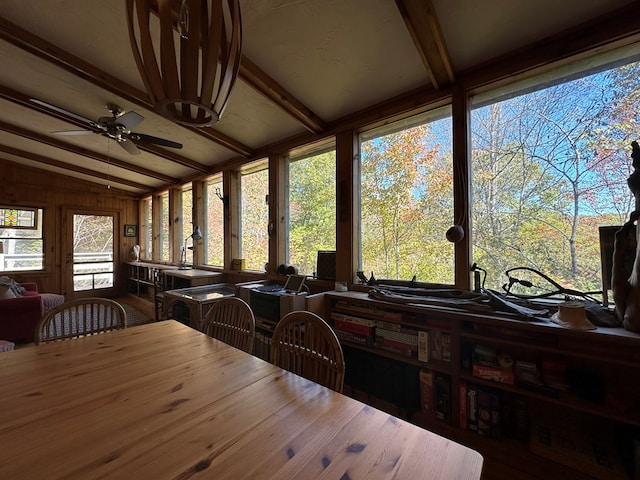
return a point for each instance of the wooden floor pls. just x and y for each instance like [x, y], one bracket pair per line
[144, 306]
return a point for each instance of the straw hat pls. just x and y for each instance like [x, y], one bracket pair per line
[571, 314]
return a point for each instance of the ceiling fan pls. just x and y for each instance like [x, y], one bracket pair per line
[116, 127]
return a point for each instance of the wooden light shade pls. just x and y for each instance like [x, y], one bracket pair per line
[192, 84]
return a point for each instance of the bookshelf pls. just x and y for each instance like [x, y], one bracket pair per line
[520, 393]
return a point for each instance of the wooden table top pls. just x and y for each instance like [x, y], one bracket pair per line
[163, 401]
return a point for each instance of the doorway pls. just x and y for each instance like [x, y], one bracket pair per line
[89, 266]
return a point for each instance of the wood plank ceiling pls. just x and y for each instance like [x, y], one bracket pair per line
[309, 67]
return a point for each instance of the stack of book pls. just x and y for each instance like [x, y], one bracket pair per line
[395, 338]
[354, 329]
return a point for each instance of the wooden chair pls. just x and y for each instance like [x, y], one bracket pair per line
[231, 321]
[80, 317]
[305, 344]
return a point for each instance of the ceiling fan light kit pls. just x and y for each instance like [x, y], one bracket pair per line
[192, 84]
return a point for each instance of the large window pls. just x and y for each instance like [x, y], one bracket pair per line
[146, 230]
[311, 205]
[550, 159]
[214, 222]
[164, 228]
[21, 244]
[186, 204]
[406, 192]
[254, 215]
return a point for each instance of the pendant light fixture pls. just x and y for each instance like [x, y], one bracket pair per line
[192, 83]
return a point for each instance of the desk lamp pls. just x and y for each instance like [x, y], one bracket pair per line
[196, 235]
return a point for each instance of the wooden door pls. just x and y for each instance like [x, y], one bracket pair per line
[89, 268]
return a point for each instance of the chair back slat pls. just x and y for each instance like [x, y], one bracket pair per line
[80, 317]
[231, 321]
[305, 344]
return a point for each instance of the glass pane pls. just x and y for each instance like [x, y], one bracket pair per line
[22, 248]
[147, 222]
[550, 164]
[164, 227]
[214, 223]
[92, 251]
[311, 208]
[406, 191]
[254, 247]
[186, 251]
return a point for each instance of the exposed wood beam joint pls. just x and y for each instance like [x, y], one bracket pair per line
[424, 27]
[264, 84]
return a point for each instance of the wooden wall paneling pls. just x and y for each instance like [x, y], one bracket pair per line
[32, 187]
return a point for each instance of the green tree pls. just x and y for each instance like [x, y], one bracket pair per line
[406, 201]
[312, 209]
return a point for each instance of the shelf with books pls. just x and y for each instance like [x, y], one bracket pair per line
[511, 371]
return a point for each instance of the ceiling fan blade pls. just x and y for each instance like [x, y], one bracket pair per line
[63, 111]
[129, 146]
[73, 132]
[155, 140]
[129, 120]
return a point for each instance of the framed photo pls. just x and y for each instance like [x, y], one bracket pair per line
[130, 230]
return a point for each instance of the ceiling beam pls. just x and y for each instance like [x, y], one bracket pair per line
[43, 139]
[20, 98]
[255, 77]
[47, 51]
[73, 168]
[424, 27]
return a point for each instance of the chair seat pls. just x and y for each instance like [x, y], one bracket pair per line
[51, 300]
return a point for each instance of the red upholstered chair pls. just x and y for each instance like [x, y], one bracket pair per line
[19, 316]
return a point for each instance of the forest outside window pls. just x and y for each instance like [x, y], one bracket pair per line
[311, 205]
[214, 222]
[406, 199]
[164, 228]
[253, 188]
[21, 239]
[187, 227]
[146, 228]
[550, 160]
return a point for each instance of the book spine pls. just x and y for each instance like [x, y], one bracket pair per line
[352, 327]
[426, 393]
[350, 318]
[354, 338]
[463, 405]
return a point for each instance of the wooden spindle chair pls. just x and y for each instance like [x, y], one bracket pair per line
[231, 321]
[305, 344]
[80, 317]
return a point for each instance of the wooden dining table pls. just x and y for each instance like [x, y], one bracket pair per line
[164, 401]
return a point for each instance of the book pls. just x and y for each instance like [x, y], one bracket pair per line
[442, 396]
[344, 336]
[462, 391]
[423, 346]
[472, 408]
[426, 393]
[483, 413]
[353, 319]
[353, 327]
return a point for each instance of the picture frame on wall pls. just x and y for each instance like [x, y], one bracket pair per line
[130, 230]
